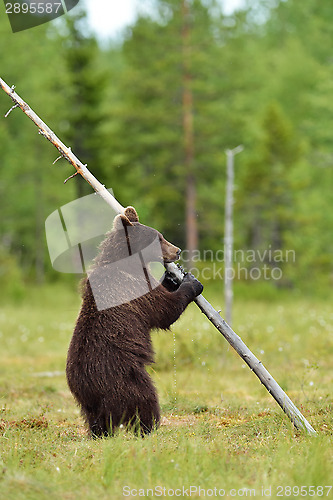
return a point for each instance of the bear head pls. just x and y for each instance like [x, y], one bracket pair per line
[121, 271]
[137, 237]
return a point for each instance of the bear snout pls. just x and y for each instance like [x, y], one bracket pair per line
[170, 252]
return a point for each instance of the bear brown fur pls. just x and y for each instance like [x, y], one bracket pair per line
[111, 346]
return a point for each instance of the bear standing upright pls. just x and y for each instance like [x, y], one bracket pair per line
[111, 342]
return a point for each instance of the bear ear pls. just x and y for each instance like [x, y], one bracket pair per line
[131, 214]
[121, 221]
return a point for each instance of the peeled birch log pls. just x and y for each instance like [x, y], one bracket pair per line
[214, 317]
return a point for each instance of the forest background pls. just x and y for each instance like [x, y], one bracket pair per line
[152, 114]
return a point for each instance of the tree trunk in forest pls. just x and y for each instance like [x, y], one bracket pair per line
[39, 232]
[190, 191]
[39, 222]
[229, 232]
[229, 237]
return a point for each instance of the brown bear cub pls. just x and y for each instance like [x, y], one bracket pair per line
[111, 342]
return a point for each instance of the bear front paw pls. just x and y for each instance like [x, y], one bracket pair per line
[169, 282]
[195, 283]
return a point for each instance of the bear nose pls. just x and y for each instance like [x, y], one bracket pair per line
[179, 252]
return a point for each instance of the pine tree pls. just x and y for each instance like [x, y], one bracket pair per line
[267, 197]
[85, 91]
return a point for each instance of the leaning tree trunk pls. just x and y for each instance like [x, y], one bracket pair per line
[256, 366]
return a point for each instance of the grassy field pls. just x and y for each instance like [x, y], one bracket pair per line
[221, 431]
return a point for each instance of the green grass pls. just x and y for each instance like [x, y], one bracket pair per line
[221, 429]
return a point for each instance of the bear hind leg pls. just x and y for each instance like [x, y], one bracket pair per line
[99, 423]
[148, 416]
[142, 418]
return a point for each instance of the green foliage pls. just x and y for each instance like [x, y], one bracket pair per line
[12, 287]
[27, 177]
[84, 93]
[259, 77]
[267, 197]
